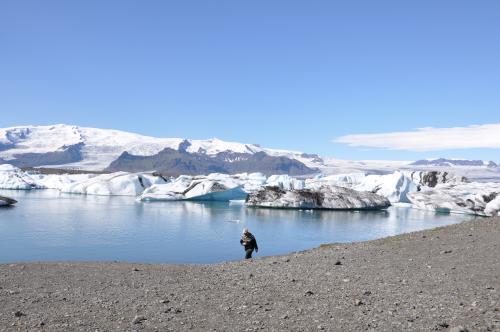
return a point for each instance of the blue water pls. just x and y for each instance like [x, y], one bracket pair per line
[46, 225]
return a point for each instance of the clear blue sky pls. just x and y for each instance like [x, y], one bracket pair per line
[284, 74]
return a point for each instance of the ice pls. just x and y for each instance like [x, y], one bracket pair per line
[394, 187]
[58, 181]
[493, 207]
[14, 178]
[342, 180]
[327, 197]
[215, 187]
[468, 198]
[285, 182]
[114, 184]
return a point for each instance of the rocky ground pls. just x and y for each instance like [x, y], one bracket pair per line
[446, 279]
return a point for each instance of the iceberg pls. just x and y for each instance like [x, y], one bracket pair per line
[341, 180]
[285, 182]
[58, 181]
[394, 187]
[433, 178]
[327, 197]
[114, 184]
[214, 187]
[468, 198]
[14, 178]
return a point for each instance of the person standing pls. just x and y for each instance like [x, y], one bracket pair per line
[249, 242]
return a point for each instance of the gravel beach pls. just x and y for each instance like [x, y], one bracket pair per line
[444, 279]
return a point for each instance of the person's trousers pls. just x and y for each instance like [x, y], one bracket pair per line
[248, 253]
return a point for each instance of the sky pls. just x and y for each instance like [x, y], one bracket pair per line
[344, 79]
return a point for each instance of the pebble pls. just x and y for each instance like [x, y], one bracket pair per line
[138, 319]
[308, 293]
[458, 329]
[338, 263]
[19, 314]
[358, 302]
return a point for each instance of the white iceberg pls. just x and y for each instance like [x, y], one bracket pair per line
[467, 198]
[340, 180]
[284, 181]
[14, 178]
[394, 187]
[493, 207]
[114, 184]
[58, 181]
[214, 187]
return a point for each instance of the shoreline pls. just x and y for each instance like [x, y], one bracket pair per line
[434, 279]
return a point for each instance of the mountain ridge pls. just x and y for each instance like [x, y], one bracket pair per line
[95, 149]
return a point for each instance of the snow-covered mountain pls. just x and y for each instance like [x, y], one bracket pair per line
[66, 146]
[453, 162]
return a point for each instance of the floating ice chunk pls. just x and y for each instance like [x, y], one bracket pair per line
[468, 198]
[341, 180]
[327, 197]
[119, 184]
[14, 178]
[285, 182]
[493, 207]
[393, 186]
[59, 181]
[213, 188]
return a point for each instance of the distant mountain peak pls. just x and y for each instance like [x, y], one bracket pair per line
[453, 162]
[70, 146]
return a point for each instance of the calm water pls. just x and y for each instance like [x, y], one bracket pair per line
[46, 225]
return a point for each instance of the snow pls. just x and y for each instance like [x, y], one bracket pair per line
[102, 146]
[328, 197]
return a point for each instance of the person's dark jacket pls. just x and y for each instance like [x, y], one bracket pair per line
[249, 242]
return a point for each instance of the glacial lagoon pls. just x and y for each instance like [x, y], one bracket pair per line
[46, 225]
